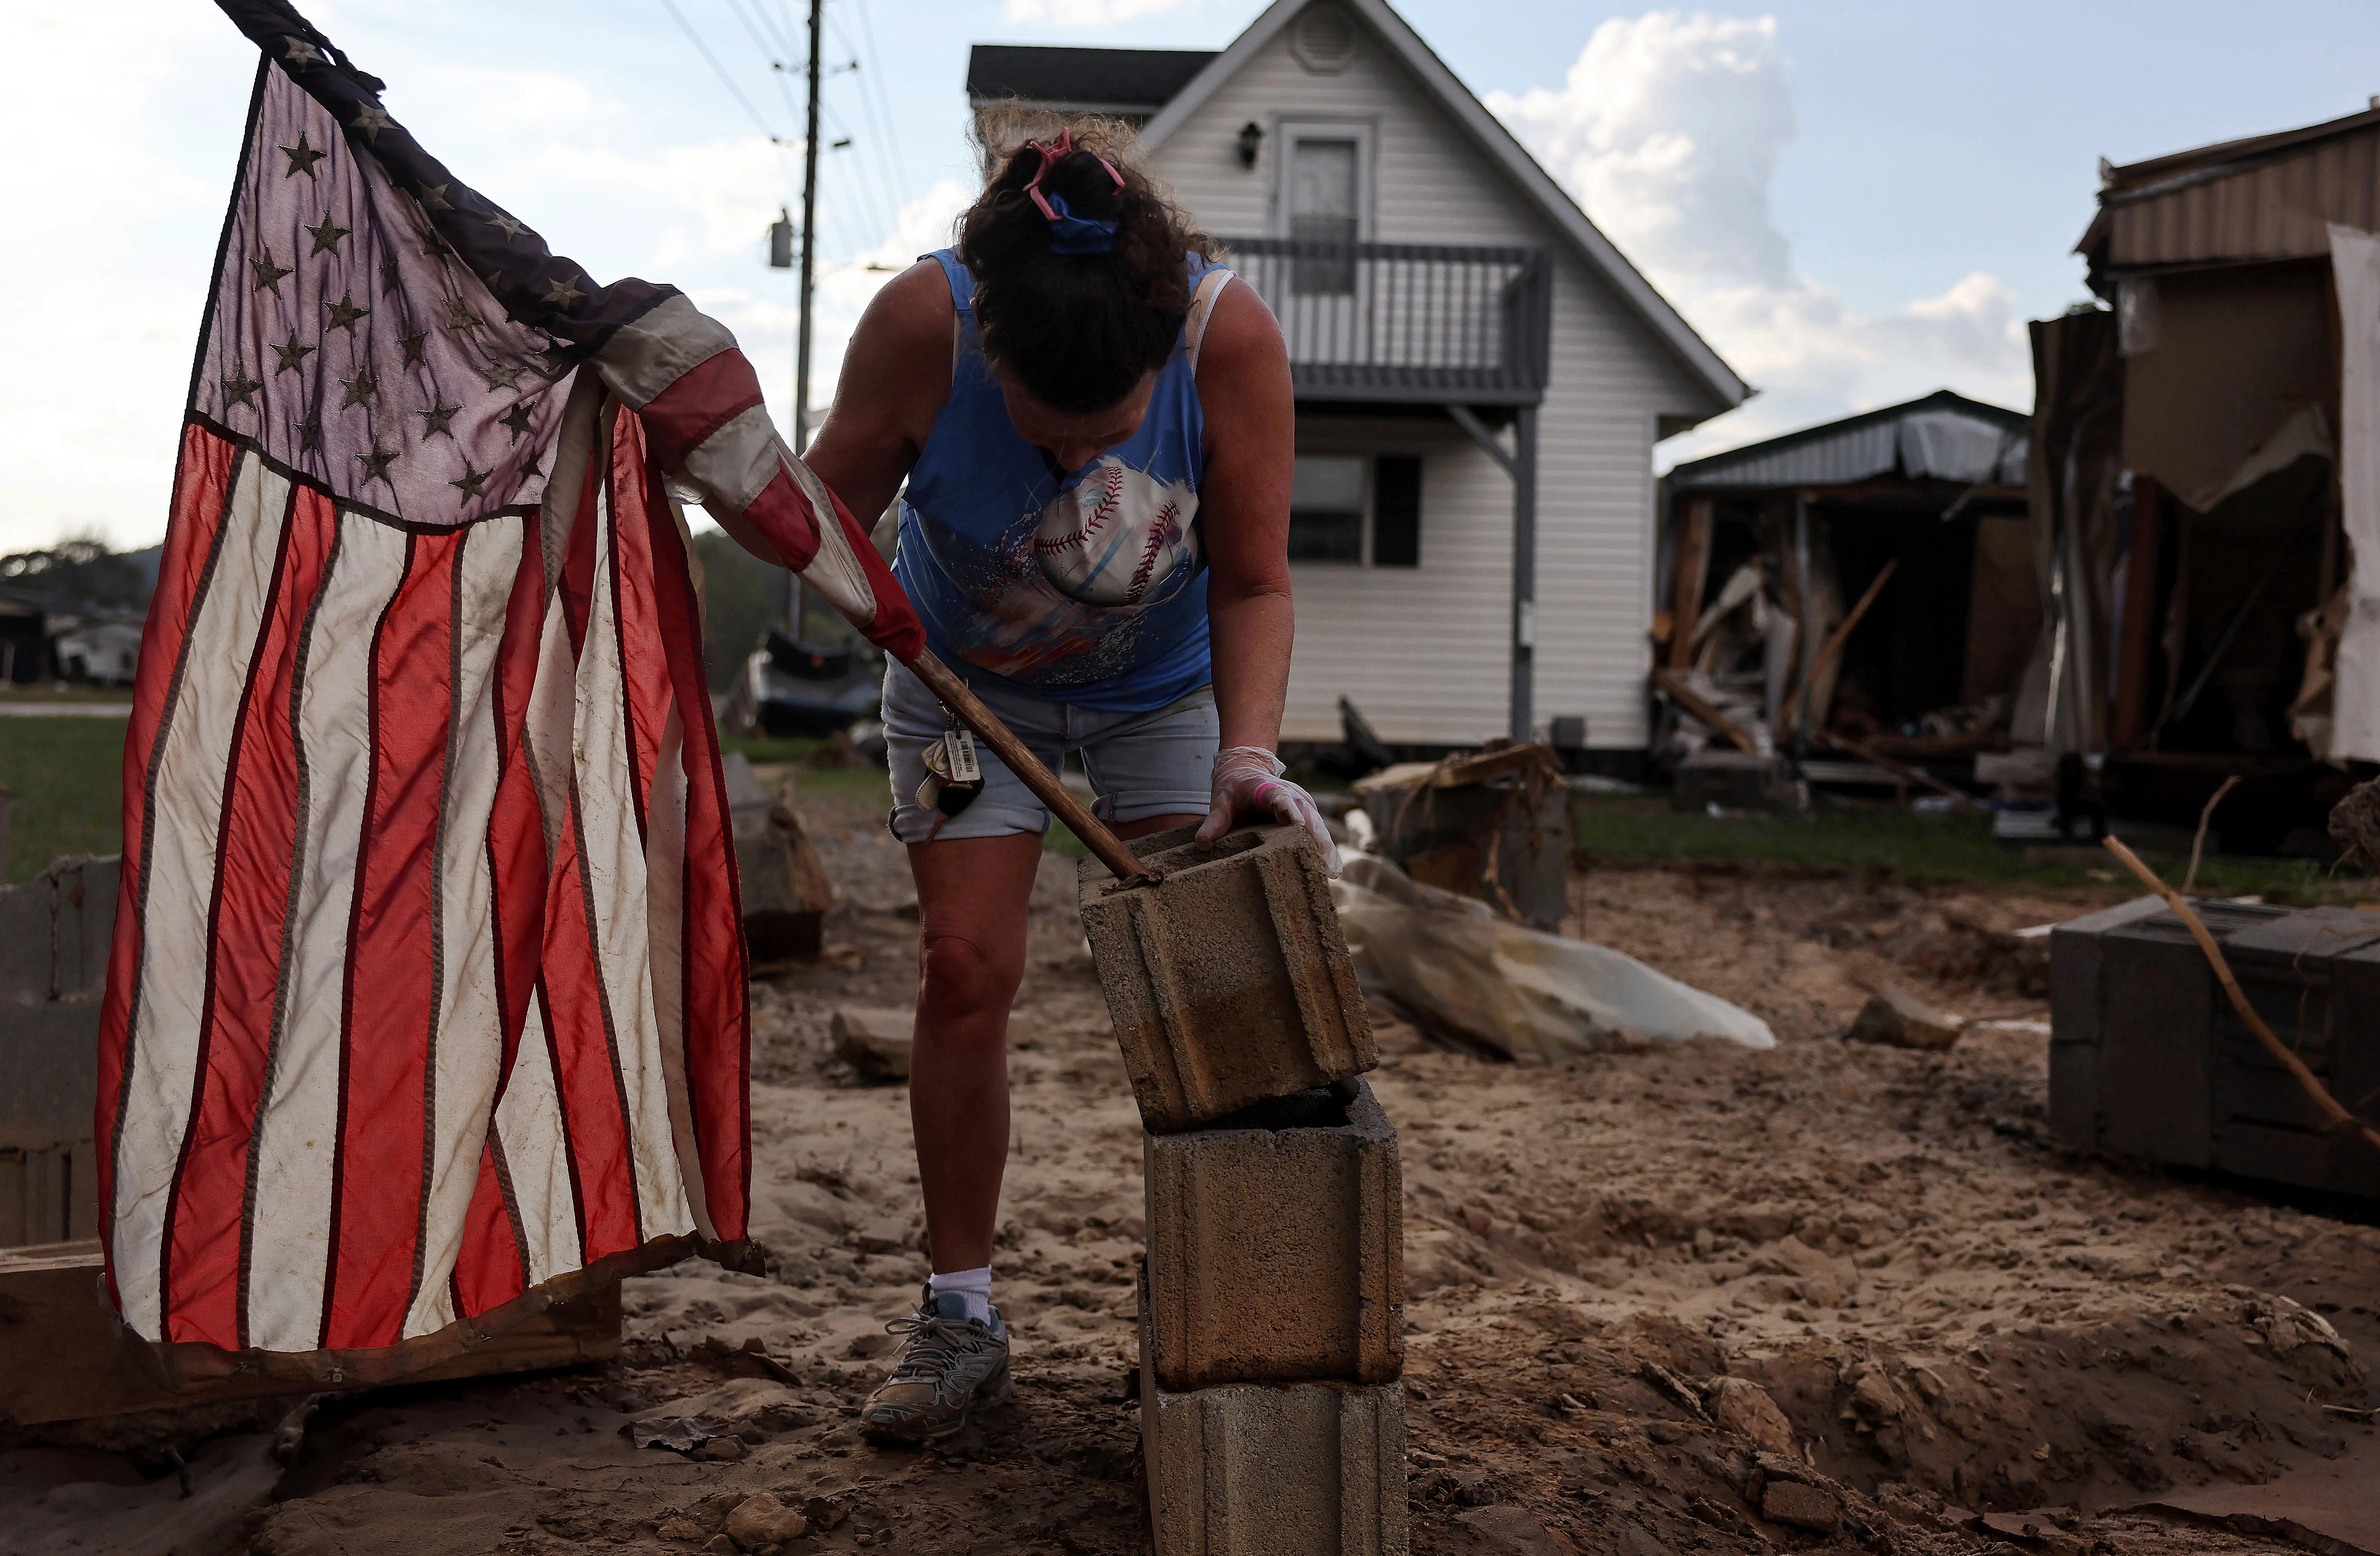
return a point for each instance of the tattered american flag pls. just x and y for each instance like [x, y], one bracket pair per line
[427, 1006]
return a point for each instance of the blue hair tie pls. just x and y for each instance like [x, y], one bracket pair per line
[1070, 234]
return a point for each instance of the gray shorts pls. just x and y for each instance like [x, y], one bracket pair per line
[1159, 763]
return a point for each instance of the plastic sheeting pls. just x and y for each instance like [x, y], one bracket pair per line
[1458, 968]
[2355, 261]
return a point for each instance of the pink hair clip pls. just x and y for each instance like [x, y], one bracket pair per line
[1052, 153]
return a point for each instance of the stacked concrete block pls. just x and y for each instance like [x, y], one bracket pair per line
[1229, 982]
[54, 932]
[1276, 1240]
[1272, 1304]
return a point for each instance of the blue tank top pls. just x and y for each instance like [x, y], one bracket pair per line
[1088, 588]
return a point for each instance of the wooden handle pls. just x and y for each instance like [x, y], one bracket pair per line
[1047, 787]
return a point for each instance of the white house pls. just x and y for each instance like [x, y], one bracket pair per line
[1450, 313]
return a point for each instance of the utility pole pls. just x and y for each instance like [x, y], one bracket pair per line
[809, 260]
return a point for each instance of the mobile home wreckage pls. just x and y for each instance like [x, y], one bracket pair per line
[2205, 499]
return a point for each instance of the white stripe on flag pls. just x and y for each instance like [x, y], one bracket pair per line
[296, 1149]
[469, 1044]
[665, 911]
[184, 823]
[614, 874]
[537, 1158]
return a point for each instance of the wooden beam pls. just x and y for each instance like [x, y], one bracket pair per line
[60, 1360]
[2128, 725]
[1822, 674]
[1693, 551]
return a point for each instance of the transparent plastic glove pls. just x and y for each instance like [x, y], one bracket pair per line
[1248, 782]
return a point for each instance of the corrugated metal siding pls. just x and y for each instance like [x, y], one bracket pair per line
[1425, 653]
[2279, 210]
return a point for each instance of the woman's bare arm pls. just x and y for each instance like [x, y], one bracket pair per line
[896, 376]
[1244, 392]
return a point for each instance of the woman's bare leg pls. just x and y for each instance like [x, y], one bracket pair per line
[972, 897]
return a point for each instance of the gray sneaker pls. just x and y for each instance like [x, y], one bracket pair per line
[950, 1364]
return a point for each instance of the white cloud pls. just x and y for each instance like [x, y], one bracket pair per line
[1087, 13]
[1668, 130]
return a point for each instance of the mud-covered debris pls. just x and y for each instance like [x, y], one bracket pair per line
[2355, 826]
[682, 1434]
[1743, 1407]
[1899, 1019]
[1804, 1507]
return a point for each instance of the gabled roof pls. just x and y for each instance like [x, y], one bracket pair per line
[1134, 81]
[1944, 436]
[1489, 136]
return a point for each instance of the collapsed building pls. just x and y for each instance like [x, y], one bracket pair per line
[2205, 505]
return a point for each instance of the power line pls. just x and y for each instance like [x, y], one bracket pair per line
[886, 145]
[725, 78]
[769, 47]
[876, 84]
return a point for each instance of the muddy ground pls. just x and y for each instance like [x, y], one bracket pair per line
[1959, 1319]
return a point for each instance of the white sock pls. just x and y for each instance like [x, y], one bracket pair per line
[975, 1285]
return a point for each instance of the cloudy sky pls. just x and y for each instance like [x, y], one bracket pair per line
[1854, 203]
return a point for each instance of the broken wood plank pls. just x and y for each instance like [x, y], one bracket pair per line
[1822, 669]
[60, 1360]
[1693, 702]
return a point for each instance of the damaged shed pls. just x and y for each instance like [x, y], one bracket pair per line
[1920, 607]
[2207, 507]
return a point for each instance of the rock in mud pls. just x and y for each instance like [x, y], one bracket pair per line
[1804, 1507]
[1899, 1019]
[763, 1520]
[874, 1040]
[1743, 1407]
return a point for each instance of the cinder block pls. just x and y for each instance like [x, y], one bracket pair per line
[1276, 1244]
[1255, 1469]
[1228, 981]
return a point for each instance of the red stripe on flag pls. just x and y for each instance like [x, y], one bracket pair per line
[202, 486]
[391, 990]
[896, 628]
[716, 990]
[207, 1227]
[491, 1268]
[782, 517]
[703, 399]
[638, 511]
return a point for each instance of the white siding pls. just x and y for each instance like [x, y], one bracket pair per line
[1424, 652]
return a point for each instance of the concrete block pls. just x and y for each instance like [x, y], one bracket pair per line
[1256, 1469]
[1276, 1244]
[785, 890]
[1228, 981]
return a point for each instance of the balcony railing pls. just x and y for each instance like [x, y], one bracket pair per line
[1407, 321]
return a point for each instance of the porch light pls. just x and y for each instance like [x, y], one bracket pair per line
[1251, 137]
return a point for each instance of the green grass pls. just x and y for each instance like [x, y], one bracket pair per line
[68, 773]
[1911, 848]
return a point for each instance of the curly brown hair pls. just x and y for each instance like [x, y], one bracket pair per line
[1077, 329]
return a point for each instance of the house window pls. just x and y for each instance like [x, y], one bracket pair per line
[1349, 508]
[1323, 208]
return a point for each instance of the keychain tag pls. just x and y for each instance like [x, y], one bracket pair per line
[964, 767]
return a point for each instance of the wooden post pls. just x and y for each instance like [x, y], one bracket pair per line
[1693, 549]
[2142, 563]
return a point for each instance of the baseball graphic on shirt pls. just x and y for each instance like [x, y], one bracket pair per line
[1119, 537]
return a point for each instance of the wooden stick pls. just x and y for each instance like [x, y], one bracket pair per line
[1046, 785]
[1700, 707]
[1900, 769]
[1825, 663]
[2273, 1045]
[2198, 844]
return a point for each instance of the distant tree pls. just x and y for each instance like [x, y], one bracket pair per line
[742, 598]
[82, 569]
